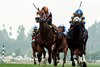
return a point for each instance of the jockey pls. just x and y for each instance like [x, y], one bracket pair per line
[47, 16]
[78, 13]
[35, 30]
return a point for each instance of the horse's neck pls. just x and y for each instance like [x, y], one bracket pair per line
[77, 32]
[43, 29]
[46, 32]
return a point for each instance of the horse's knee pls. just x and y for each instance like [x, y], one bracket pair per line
[39, 55]
[49, 60]
[72, 59]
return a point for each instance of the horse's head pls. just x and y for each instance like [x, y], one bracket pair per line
[61, 28]
[77, 20]
[77, 26]
[60, 31]
[60, 35]
[40, 14]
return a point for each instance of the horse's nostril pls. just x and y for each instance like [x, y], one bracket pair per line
[37, 19]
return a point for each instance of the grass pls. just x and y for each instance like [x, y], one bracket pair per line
[32, 65]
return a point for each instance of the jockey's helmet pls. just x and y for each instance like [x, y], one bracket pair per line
[79, 11]
[35, 28]
[45, 9]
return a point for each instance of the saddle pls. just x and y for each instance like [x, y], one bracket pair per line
[53, 28]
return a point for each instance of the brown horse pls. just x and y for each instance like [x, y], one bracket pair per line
[46, 37]
[60, 46]
[37, 49]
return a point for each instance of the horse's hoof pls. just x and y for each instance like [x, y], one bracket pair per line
[55, 64]
[57, 61]
[83, 64]
[73, 63]
[49, 60]
[35, 63]
[62, 66]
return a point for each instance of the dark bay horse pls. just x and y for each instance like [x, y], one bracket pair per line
[60, 46]
[46, 36]
[77, 39]
[36, 48]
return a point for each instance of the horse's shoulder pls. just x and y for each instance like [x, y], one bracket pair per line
[54, 26]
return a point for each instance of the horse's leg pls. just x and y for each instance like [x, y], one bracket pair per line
[34, 56]
[58, 57]
[49, 52]
[83, 57]
[82, 62]
[34, 51]
[77, 59]
[44, 54]
[72, 59]
[77, 52]
[39, 55]
[83, 54]
[55, 56]
[65, 53]
[84, 50]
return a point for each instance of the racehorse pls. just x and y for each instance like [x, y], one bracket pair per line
[60, 46]
[77, 38]
[37, 49]
[47, 35]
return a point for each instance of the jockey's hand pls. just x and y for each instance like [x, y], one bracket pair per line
[37, 19]
[43, 20]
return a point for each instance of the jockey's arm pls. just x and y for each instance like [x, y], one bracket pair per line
[33, 34]
[49, 19]
[71, 19]
[83, 19]
[37, 31]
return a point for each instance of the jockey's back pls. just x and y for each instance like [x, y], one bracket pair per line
[47, 15]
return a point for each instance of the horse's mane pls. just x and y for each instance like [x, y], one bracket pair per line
[77, 31]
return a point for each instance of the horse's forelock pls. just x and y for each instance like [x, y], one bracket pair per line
[40, 12]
